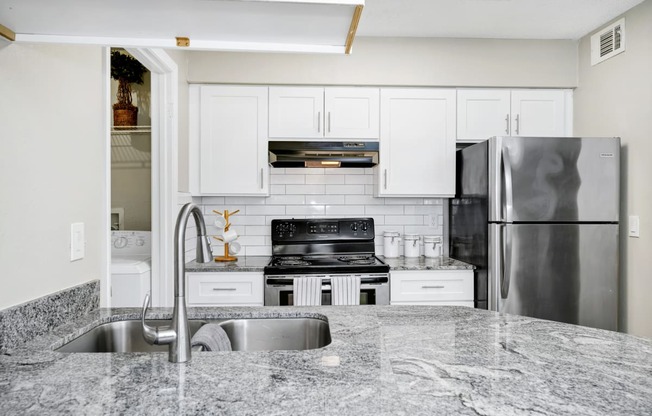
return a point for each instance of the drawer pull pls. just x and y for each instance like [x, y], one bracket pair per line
[224, 288]
[432, 287]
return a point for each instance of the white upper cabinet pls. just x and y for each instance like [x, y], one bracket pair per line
[232, 151]
[417, 142]
[483, 113]
[318, 113]
[539, 113]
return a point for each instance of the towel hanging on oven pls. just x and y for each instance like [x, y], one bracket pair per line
[345, 290]
[306, 291]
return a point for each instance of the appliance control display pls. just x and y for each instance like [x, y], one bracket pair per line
[323, 228]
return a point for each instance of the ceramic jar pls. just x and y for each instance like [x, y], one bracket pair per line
[391, 240]
[432, 245]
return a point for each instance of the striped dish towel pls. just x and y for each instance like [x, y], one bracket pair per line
[306, 291]
[345, 290]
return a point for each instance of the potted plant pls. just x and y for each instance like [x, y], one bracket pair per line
[126, 70]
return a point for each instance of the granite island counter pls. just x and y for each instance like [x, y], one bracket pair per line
[386, 360]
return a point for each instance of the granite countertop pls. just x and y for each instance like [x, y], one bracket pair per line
[425, 263]
[258, 263]
[383, 360]
[243, 264]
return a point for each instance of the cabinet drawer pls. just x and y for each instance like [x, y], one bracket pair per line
[234, 289]
[431, 287]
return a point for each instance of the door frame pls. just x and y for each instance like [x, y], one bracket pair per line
[164, 115]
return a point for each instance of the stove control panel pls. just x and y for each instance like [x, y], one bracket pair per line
[310, 230]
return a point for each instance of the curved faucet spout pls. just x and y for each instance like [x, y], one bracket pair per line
[178, 334]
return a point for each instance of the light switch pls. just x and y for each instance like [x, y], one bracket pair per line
[634, 226]
[77, 243]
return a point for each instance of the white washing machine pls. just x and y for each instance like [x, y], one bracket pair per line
[131, 267]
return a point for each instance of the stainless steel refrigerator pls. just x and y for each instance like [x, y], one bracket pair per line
[538, 217]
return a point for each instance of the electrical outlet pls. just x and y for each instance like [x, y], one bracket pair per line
[432, 220]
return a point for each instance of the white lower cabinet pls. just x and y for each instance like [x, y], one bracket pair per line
[225, 289]
[432, 287]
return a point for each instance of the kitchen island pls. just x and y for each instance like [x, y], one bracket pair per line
[385, 360]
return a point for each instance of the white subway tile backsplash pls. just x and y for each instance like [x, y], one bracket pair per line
[345, 210]
[277, 189]
[305, 210]
[363, 200]
[320, 193]
[325, 199]
[304, 189]
[325, 179]
[358, 180]
[265, 210]
[287, 179]
[244, 200]
[345, 189]
[404, 219]
[257, 230]
[384, 209]
[286, 200]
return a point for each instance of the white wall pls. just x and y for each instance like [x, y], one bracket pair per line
[614, 98]
[51, 167]
[402, 61]
[181, 59]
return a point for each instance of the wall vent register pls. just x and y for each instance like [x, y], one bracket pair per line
[608, 42]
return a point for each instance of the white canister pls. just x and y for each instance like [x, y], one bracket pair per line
[391, 239]
[411, 245]
[432, 245]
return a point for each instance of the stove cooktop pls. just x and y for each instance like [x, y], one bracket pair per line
[322, 264]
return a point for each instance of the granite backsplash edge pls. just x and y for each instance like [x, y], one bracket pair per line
[22, 323]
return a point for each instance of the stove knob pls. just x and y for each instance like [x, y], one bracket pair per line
[364, 226]
[354, 227]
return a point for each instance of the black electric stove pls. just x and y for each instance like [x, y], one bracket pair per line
[324, 246]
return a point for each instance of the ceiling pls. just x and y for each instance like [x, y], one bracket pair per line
[318, 26]
[498, 19]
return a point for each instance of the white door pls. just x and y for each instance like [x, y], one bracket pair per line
[233, 140]
[352, 113]
[482, 114]
[417, 142]
[296, 112]
[538, 113]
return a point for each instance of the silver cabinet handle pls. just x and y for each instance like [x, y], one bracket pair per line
[385, 178]
[261, 178]
[329, 121]
[507, 124]
[518, 124]
[318, 121]
[433, 287]
[230, 289]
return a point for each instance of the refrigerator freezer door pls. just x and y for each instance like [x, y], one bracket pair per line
[561, 272]
[550, 179]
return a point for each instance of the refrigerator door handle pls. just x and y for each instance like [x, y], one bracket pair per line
[505, 260]
[508, 190]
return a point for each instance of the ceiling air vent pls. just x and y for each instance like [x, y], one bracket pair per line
[608, 42]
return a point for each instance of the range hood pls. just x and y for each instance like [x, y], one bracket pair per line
[317, 154]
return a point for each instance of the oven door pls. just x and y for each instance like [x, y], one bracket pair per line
[374, 289]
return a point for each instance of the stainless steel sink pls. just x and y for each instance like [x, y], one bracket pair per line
[245, 335]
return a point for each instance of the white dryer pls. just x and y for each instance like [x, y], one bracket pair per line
[131, 267]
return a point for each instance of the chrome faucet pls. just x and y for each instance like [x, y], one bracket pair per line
[177, 335]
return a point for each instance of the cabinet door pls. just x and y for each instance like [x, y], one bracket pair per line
[482, 114]
[352, 113]
[539, 113]
[296, 112]
[233, 140]
[417, 142]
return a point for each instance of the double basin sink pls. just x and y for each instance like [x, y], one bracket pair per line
[258, 334]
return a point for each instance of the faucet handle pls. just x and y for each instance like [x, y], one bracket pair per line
[149, 332]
